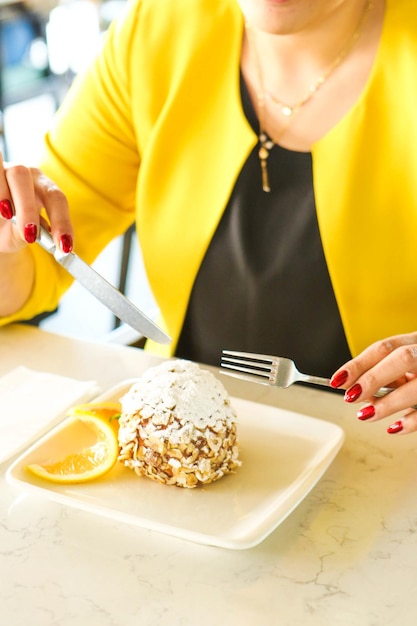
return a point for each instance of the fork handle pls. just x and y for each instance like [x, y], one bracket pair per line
[315, 380]
[318, 380]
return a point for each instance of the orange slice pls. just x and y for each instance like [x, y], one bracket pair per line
[107, 411]
[86, 464]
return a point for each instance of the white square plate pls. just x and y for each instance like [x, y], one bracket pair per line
[283, 456]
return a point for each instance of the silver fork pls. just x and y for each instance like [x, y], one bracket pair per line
[277, 371]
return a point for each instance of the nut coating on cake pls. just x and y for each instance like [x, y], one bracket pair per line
[178, 426]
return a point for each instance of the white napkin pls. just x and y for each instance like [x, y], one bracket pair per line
[31, 402]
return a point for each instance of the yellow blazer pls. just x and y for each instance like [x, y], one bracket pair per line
[155, 132]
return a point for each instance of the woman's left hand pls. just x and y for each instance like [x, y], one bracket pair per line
[392, 363]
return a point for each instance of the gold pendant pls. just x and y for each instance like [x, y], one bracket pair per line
[263, 156]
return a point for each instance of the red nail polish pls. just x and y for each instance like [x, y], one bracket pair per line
[339, 379]
[30, 232]
[66, 243]
[353, 393]
[366, 413]
[396, 427]
[6, 210]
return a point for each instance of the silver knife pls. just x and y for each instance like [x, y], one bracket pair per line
[101, 289]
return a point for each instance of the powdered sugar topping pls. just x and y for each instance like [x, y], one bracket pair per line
[183, 389]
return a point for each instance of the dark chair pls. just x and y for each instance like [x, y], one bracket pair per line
[127, 242]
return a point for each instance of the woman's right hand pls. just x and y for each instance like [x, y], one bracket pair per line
[24, 191]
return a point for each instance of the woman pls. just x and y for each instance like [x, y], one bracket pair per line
[265, 150]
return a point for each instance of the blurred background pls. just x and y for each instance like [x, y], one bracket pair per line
[44, 44]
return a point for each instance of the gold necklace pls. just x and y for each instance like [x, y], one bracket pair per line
[288, 110]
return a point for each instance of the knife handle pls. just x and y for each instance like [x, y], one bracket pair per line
[44, 239]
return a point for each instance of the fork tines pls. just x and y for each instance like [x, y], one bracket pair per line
[259, 365]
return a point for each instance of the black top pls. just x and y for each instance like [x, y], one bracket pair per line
[263, 285]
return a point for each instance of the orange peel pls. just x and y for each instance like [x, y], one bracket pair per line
[87, 464]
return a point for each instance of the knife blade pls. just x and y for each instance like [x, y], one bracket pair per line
[101, 289]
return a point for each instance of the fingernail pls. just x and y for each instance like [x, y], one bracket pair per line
[339, 379]
[30, 232]
[353, 393]
[396, 427]
[366, 413]
[66, 243]
[6, 209]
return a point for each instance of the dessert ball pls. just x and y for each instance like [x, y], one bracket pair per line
[178, 426]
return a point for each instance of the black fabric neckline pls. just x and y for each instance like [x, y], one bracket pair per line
[263, 285]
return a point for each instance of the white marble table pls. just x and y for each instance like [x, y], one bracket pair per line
[346, 556]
